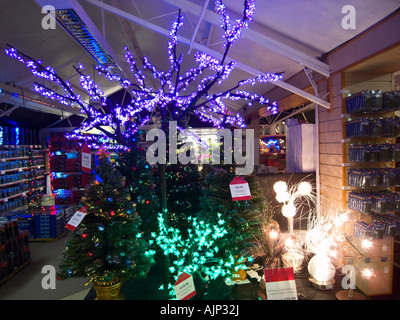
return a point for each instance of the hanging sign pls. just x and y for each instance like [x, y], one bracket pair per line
[86, 158]
[184, 287]
[280, 284]
[240, 189]
[76, 219]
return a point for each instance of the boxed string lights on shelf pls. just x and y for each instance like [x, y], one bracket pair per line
[371, 176]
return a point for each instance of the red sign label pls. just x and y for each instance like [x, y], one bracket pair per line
[184, 287]
[240, 189]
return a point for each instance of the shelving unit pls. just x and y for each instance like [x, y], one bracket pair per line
[68, 181]
[14, 249]
[370, 176]
[22, 175]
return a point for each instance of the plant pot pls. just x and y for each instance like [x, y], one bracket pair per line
[238, 274]
[108, 292]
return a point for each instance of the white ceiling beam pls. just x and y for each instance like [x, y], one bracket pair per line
[28, 99]
[8, 112]
[258, 38]
[134, 47]
[213, 53]
[196, 29]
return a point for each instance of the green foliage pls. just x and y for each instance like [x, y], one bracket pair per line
[141, 179]
[184, 189]
[243, 218]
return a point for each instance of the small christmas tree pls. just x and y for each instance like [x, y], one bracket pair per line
[107, 246]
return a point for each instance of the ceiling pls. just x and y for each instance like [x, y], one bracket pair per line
[285, 36]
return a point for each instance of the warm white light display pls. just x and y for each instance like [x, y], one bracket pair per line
[321, 268]
[274, 234]
[290, 198]
[280, 187]
[325, 239]
[367, 273]
[289, 210]
[304, 188]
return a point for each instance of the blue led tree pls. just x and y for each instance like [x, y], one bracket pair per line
[170, 100]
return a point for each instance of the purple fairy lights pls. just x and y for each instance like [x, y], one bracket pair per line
[178, 93]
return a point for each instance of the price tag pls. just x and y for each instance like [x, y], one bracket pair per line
[239, 189]
[280, 284]
[184, 287]
[76, 219]
[86, 158]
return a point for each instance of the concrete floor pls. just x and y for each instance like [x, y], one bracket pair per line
[27, 283]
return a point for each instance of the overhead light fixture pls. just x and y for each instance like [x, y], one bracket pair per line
[71, 22]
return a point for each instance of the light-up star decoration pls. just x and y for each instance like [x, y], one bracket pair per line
[170, 100]
[103, 153]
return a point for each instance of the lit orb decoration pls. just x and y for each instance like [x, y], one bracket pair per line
[274, 234]
[326, 240]
[321, 269]
[366, 244]
[283, 197]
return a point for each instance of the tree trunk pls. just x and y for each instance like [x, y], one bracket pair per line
[164, 208]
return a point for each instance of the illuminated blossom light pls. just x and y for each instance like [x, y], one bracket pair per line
[193, 251]
[170, 99]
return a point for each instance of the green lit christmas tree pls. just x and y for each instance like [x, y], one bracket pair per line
[108, 245]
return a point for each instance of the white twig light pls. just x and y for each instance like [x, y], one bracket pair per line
[288, 198]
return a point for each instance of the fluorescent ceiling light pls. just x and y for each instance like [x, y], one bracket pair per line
[71, 22]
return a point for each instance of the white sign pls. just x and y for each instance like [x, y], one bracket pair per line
[280, 284]
[239, 189]
[86, 158]
[76, 219]
[184, 287]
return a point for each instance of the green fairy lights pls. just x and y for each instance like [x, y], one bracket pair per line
[196, 251]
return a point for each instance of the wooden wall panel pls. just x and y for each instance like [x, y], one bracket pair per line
[331, 149]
